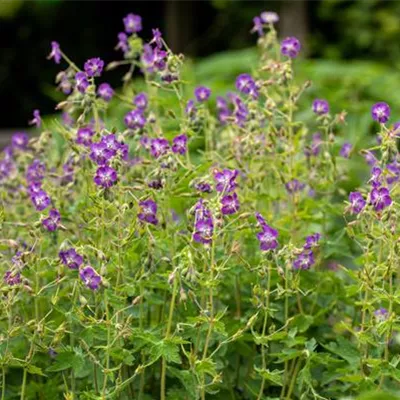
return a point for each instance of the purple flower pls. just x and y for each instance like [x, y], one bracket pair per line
[267, 238]
[34, 187]
[65, 85]
[105, 176]
[55, 52]
[6, 167]
[290, 47]
[148, 57]
[51, 222]
[157, 38]
[370, 158]
[294, 186]
[258, 26]
[141, 101]
[67, 119]
[246, 85]
[201, 210]
[35, 171]
[159, 147]
[223, 116]
[203, 187]
[179, 144]
[94, 67]
[105, 91]
[123, 151]
[357, 202]
[202, 93]
[68, 172]
[12, 278]
[71, 258]
[346, 150]
[40, 200]
[312, 241]
[394, 172]
[320, 106]
[305, 260]
[84, 136]
[315, 147]
[375, 180]
[100, 153]
[135, 119]
[122, 42]
[204, 229]
[241, 111]
[169, 77]
[133, 23]
[261, 220]
[269, 17]
[20, 141]
[230, 204]
[190, 108]
[111, 142]
[81, 82]
[380, 198]
[396, 129]
[145, 142]
[225, 180]
[148, 211]
[380, 112]
[52, 353]
[156, 184]
[204, 225]
[381, 314]
[36, 120]
[90, 277]
[221, 103]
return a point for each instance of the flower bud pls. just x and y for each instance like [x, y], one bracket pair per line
[171, 278]
[82, 300]
[183, 295]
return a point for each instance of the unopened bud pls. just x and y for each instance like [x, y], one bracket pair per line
[82, 300]
[112, 65]
[183, 295]
[171, 278]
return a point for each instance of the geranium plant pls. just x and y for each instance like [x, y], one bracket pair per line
[201, 246]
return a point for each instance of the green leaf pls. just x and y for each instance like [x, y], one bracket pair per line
[275, 376]
[68, 359]
[346, 350]
[167, 350]
[34, 370]
[206, 366]
[187, 380]
[377, 396]
[302, 322]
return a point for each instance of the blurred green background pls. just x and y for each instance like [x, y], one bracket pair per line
[351, 48]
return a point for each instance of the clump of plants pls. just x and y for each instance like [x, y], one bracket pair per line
[201, 246]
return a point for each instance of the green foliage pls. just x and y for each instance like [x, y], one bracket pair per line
[245, 308]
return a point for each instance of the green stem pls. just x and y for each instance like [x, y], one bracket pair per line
[23, 387]
[167, 335]
[286, 328]
[211, 319]
[293, 379]
[263, 355]
[72, 338]
[108, 322]
[3, 383]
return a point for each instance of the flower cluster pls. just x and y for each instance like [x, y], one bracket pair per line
[305, 259]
